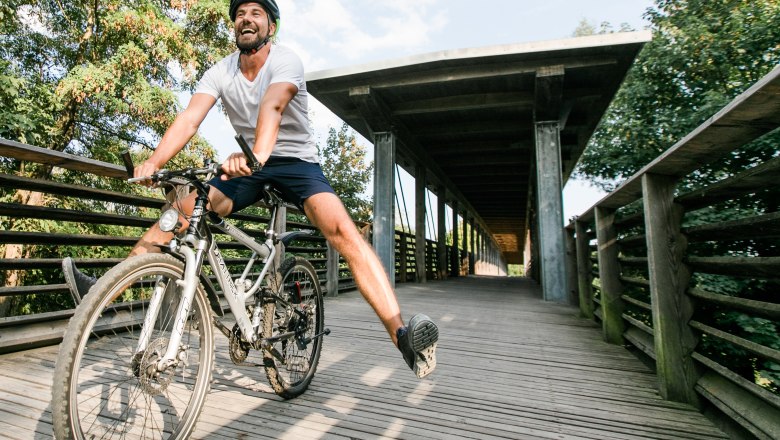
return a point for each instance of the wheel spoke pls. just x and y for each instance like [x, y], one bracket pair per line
[116, 394]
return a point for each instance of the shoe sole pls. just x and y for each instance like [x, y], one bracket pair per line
[70, 281]
[424, 335]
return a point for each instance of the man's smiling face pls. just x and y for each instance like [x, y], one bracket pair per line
[252, 25]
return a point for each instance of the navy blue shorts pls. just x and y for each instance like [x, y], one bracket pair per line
[295, 178]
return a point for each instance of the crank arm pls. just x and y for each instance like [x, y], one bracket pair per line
[277, 338]
[220, 326]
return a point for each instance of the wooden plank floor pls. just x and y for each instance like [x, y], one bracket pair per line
[509, 366]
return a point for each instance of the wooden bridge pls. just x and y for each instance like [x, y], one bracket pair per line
[634, 344]
[510, 366]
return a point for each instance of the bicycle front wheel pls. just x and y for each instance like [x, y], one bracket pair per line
[291, 364]
[106, 380]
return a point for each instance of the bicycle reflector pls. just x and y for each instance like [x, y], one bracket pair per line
[169, 220]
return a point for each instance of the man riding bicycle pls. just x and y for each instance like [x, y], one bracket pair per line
[263, 90]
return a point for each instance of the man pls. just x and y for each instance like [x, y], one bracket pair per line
[263, 91]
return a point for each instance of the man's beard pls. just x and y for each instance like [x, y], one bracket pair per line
[249, 43]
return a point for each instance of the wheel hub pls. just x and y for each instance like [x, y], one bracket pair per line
[153, 381]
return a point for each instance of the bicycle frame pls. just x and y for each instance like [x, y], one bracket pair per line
[197, 243]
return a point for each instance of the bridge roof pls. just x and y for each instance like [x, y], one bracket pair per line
[468, 115]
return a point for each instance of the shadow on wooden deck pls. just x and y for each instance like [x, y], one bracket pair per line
[509, 366]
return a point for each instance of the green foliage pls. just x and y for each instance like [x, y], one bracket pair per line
[103, 72]
[702, 55]
[343, 162]
[586, 28]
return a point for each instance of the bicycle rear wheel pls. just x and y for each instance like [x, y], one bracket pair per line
[104, 387]
[290, 366]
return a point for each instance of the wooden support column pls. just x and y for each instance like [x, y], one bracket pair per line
[455, 253]
[550, 213]
[472, 246]
[384, 206]
[609, 276]
[332, 276]
[548, 118]
[419, 224]
[584, 269]
[441, 246]
[669, 276]
[464, 242]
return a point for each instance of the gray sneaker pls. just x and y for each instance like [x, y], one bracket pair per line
[78, 282]
[417, 343]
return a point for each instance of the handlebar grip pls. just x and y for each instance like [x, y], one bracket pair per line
[251, 160]
[128, 160]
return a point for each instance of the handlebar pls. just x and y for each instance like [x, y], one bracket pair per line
[190, 173]
[186, 174]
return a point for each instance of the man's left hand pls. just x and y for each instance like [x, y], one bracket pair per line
[235, 166]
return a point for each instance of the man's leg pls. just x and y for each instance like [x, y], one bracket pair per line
[80, 283]
[417, 342]
[328, 214]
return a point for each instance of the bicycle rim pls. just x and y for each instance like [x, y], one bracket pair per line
[300, 288]
[115, 391]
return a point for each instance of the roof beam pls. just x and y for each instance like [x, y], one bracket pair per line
[416, 78]
[482, 101]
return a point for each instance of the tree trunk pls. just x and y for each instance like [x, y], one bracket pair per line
[14, 277]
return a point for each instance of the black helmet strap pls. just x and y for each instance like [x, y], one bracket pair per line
[253, 50]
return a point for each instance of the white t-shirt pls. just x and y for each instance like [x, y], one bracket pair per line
[242, 98]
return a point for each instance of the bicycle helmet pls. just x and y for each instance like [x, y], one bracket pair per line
[269, 5]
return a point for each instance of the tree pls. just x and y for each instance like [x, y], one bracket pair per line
[586, 28]
[97, 78]
[343, 162]
[702, 55]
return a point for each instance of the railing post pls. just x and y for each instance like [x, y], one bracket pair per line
[571, 265]
[403, 249]
[332, 277]
[609, 276]
[455, 254]
[584, 269]
[669, 276]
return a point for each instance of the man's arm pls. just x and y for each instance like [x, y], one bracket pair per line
[269, 118]
[178, 134]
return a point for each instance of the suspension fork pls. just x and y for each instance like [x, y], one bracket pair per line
[193, 250]
[151, 316]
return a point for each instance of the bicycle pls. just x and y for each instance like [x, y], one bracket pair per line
[136, 360]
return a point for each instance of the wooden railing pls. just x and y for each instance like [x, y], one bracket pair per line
[655, 274]
[133, 212]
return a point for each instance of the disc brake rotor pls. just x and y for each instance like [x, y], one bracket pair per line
[155, 382]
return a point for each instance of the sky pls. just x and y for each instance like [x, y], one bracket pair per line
[330, 34]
